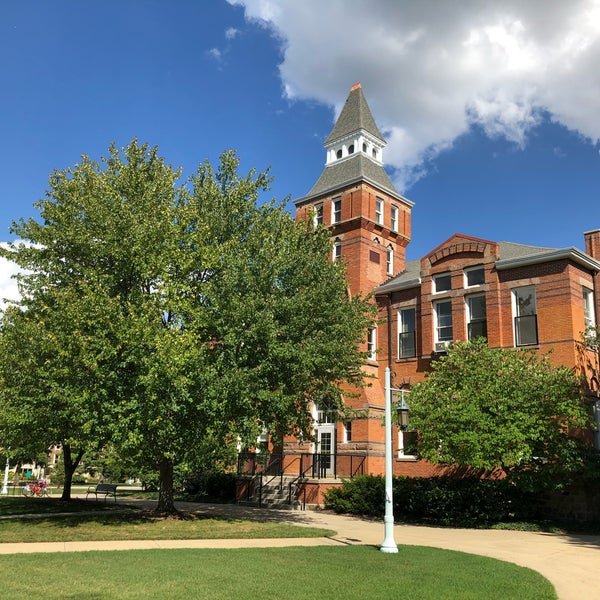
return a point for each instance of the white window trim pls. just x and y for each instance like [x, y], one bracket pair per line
[318, 215]
[400, 330]
[469, 317]
[372, 343]
[379, 208]
[589, 316]
[477, 268]
[515, 311]
[336, 216]
[389, 260]
[337, 249]
[436, 325]
[437, 276]
[394, 215]
[401, 454]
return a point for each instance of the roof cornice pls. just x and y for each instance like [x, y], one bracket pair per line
[573, 254]
[351, 182]
[395, 286]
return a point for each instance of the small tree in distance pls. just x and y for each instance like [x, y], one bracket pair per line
[487, 407]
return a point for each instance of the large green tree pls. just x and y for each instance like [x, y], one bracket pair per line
[490, 407]
[182, 311]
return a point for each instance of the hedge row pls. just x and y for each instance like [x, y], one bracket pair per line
[461, 502]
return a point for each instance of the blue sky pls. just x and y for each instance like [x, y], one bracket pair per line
[491, 113]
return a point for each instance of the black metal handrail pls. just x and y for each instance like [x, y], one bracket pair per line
[264, 468]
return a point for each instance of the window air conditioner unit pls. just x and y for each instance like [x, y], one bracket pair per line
[442, 346]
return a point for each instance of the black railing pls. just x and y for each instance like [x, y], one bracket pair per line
[264, 468]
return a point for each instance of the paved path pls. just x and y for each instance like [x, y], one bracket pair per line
[570, 562]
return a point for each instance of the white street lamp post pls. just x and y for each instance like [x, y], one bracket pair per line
[389, 545]
[5, 485]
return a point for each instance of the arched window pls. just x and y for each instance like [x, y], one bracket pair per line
[351, 149]
[339, 153]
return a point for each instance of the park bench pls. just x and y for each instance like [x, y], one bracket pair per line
[104, 489]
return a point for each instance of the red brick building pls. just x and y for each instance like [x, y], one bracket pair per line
[513, 294]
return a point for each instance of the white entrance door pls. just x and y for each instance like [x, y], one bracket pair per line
[325, 449]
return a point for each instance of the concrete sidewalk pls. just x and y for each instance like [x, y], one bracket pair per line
[570, 562]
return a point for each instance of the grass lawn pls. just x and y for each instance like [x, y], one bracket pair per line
[349, 572]
[95, 521]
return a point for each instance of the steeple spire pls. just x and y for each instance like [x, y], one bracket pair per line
[354, 150]
[355, 116]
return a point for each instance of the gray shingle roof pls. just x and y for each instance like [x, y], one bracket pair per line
[355, 115]
[510, 250]
[350, 170]
[511, 255]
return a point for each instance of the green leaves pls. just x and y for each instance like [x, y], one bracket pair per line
[157, 314]
[487, 408]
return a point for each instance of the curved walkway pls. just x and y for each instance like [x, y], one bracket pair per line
[570, 562]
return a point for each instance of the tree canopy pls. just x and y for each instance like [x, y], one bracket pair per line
[163, 313]
[490, 407]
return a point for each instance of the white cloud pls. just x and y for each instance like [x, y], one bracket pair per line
[430, 70]
[231, 33]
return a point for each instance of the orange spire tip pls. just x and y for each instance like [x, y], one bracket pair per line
[355, 86]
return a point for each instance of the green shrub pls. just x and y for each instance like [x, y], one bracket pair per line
[209, 486]
[362, 495]
[451, 501]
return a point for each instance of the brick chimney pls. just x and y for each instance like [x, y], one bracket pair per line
[592, 243]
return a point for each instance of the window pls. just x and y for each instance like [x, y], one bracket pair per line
[337, 249]
[389, 261]
[338, 154]
[525, 316]
[372, 343]
[442, 283]
[476, 317]
[406, 333]
[318, 215]
[408, 444]
[589, 318]
[351, 149]
[474, 276]
[379, 211]
[347, 431]
[394, 218]
[443, 324]
[336, 210]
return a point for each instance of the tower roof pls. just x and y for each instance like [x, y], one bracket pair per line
[350, 171]
[355, 115]
[354, 149]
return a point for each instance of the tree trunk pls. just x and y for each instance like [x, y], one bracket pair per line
[166, 505]
[70, 466]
